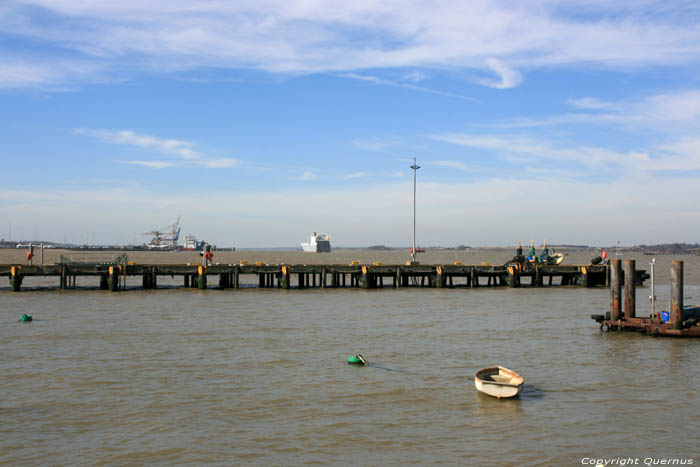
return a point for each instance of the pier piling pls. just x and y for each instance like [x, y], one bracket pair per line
[112, 279]
[677, 294]
[202, 277]
[630, 290]
[16, 278]
[616, 289]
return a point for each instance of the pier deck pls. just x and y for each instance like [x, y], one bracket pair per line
[300, 276]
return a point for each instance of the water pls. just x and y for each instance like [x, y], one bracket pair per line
[259, 377]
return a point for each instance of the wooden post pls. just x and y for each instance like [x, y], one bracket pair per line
[616, 289]
[113, 278]
[284, 278]
[513, 278]
[438, 278]
[187, 281]
[365, 277]
[202, 277]
[677, 294]
[584, 277]
[16, 278]
[630, 289]
[236, 277]
[474, 278]
[104, 282]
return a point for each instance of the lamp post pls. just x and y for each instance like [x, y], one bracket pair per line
[415, 168]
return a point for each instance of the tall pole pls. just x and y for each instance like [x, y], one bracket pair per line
[415, 168]
[653, 295]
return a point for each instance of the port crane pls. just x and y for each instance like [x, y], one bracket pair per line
[165, 238]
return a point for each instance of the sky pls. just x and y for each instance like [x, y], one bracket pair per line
[260, 122]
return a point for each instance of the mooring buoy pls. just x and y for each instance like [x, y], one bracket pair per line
[356, 360]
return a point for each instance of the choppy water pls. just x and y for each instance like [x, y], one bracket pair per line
[259, 377]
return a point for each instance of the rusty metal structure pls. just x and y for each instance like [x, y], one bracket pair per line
[679, 321]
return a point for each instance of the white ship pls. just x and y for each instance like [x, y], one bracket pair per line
[318, 243]
[191, 244]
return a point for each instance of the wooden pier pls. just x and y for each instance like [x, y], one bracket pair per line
[298, 276]
[682, 321]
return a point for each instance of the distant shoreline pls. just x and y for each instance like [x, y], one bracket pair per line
[662, 249]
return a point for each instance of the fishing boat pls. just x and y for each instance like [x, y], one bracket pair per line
[498, 382]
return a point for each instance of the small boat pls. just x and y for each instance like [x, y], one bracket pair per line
[555, 258]
[498, 382]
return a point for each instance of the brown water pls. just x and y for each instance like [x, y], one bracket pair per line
[259, 377]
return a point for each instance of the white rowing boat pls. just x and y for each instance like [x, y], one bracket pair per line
[498, 382]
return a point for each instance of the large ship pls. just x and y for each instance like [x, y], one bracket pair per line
[191, 244]
[318, 243]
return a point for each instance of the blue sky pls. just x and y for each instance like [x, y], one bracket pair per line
[260, 122]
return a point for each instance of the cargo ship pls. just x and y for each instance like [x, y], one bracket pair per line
[318, 243]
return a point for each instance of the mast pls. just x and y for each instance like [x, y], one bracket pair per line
[415, 168]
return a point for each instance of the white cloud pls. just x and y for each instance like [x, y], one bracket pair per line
[179, 148]
[306, 36]
[415, 76]
[356, 175]
[590, 103]
[152, 164]
[220, 163]
[387, 207]
[305, 176]
[376, 144]
[508, 77]
[523, 150]
[450, 164]
[413, 87]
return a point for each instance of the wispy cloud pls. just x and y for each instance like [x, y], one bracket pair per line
[152, 164]
[450, 164]
[182, 149]
[356, 175]
[413, 87]
[376, 144]
[297, 36]
[385, 206]
[507, 76]
[520, 149]
[306, 176]
[591, 103]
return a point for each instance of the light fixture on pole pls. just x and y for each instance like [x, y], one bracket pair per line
[415, 168]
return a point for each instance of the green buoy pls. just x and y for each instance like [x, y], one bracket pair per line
[25, 317]
[356, 360]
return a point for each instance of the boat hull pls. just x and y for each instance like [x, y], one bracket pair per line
[498, 382]
[320, 246]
